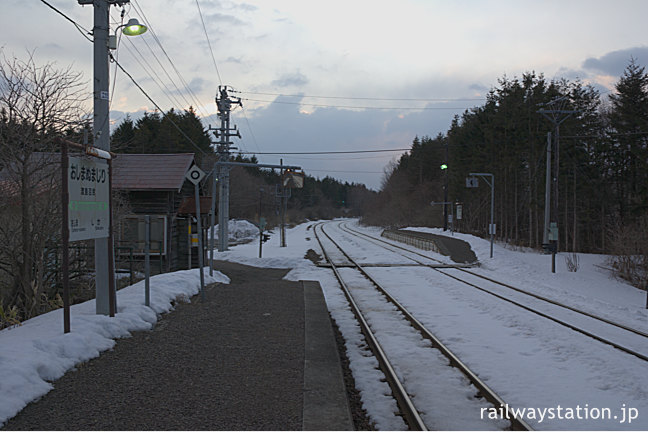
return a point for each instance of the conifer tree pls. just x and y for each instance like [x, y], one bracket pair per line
[627, 153]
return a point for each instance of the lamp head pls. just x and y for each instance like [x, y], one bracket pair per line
[134, 28]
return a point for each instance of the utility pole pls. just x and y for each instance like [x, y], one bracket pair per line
[556, 114]
[101, 135]
[444, 167]
[282, 231]
[224, 104]
[547, 209]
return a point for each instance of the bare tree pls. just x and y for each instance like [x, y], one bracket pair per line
[37, 105]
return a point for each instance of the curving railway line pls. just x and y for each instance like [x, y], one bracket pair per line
[365, 271]
[622, 337]
[413, 409]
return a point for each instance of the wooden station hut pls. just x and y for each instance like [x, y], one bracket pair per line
[155, 185]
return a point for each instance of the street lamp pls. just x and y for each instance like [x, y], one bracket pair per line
[133, 28]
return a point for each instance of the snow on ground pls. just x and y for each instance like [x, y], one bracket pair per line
[38, 352]
[238, 230]
[528, 360]
[557, 367]
[531, 362]
[592, 288]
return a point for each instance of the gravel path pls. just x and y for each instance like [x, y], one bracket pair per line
[234, 362]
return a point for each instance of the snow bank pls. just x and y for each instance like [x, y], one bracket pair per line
[239, 230]
[38, 351]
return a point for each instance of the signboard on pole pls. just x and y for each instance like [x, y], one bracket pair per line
[89, 196]
[293, 179]
[195, 174]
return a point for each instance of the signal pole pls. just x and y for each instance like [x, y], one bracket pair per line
[224, 104]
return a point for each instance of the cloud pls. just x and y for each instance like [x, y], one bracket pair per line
[614, 62]
[247, 7]
[295, 79]
[197, 85]
[479, 88]
[285, 127]
[223, 19]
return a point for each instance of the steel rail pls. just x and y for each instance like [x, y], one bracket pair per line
[528, 308]
[548, 300]
[405, 404]
[484, 389]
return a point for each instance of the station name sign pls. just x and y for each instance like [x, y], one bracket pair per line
[89, 192]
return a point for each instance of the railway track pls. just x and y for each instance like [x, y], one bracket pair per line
[622, 337]
[341, 263]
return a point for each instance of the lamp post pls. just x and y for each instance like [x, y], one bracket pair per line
[444, 168]
[101, 129]
[448, 219]
[491, 226]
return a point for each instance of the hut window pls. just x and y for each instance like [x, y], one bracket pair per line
[132, 234]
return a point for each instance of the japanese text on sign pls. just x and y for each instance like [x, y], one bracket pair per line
[89, 193]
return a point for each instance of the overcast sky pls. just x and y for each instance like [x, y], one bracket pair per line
[427, 60]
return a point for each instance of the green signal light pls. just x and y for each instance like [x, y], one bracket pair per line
[444, 166]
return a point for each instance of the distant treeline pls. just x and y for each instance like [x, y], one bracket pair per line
[603, 164]
[254, 191]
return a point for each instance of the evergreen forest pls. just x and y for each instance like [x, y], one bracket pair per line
[600, 190]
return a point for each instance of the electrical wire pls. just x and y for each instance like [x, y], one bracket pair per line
[355, 107]
[330, 152]
[114, 80]
[350, 172]
[209, 43]
[180, 93]
[113, 59]
[78, 27]
[196, 101]
[157, 106]
[362, 98]
[150, 71]
[254, 140]
[341, 158]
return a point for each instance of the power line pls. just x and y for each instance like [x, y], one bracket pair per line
[355, 107]
[250, 128]
[363, 98]
[209, 43]
[157, 40]
[350, 172]
[131, 78]
[79, 27]
[151, 71]
[340, 158]
[329, 152]
[157, 106]
[114, 81]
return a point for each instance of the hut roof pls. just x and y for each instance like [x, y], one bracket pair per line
[163, 172]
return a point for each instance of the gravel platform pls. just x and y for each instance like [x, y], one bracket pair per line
[234, 362]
